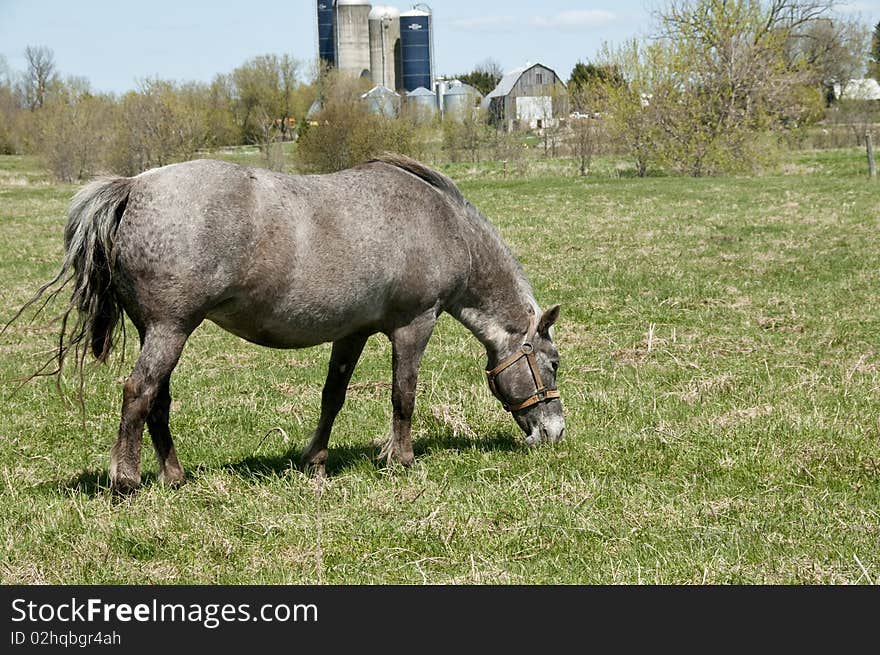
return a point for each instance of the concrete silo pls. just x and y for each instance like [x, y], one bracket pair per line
[417, 51]
[326, 45]
[352, 35]
[384, 45]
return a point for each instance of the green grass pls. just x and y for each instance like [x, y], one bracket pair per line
[720, 373]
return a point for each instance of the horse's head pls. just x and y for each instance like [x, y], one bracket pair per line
[525, 382]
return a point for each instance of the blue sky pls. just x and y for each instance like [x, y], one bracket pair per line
[116, 43]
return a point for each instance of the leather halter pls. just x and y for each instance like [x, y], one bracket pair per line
[542, 393]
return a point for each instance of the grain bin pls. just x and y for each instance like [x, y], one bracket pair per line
[460, 100]
[382, 101]
[421, 105]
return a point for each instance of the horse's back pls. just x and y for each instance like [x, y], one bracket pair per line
[288, 260]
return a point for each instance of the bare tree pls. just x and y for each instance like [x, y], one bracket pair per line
[583, 132]
[73, 129]
[833, 49]
[41, 75]
[466, 133]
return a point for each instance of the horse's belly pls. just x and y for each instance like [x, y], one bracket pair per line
[306, 323]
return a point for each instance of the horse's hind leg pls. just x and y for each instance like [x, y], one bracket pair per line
[160, 351]
[170, 471]
[343, 359]
[407, 347]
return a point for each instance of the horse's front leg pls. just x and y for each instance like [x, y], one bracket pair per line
[407, 347]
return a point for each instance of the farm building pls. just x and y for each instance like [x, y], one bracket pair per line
[863, 89]
[530, 97]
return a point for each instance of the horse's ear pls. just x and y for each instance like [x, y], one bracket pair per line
[547, 320]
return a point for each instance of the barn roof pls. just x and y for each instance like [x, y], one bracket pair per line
[510, 79]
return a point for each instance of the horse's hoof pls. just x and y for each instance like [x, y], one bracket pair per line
[317, 470]
[314, 465]
[406, 460]
[172, 479]
[122, 487]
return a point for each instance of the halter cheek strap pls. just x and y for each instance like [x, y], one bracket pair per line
[541, 394]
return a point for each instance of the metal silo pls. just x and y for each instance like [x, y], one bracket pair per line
[326, 47]
[352, 32]
[383, 101]
[384, 45]
[421, 105]
[416, 48]
[459, 99]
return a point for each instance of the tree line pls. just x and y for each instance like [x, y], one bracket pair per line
[78, 131]
[722, 81]
[712, 91]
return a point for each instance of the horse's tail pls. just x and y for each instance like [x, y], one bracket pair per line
[92, 221]
[94, 311]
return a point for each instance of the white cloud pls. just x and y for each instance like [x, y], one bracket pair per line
[857, 7]
[483, 23]
[573, 19]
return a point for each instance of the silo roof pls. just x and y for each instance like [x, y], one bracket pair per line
[342, 3]
[379, 91]
[384, 11]
[421, 91]
[415, 12]
[461, 89]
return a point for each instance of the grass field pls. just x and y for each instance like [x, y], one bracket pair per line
[720, 372]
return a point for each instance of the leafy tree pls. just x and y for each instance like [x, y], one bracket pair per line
[465, 136]
[720, 77]
[485, 76]
[158, 124]
[347, 133]
[265, 92]
[73, 129]
[10, 109]
[874, 58]
[588, 81]
[633, 109]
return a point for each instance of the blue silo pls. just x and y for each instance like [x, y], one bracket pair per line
[326, 45]
[416, 48]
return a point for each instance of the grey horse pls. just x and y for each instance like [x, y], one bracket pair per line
[290, 261]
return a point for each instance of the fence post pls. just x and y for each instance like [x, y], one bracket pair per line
[872, 168]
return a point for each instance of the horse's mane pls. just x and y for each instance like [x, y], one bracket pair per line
[446, 186]
[434, 178]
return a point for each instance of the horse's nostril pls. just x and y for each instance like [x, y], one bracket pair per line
[561, 435]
